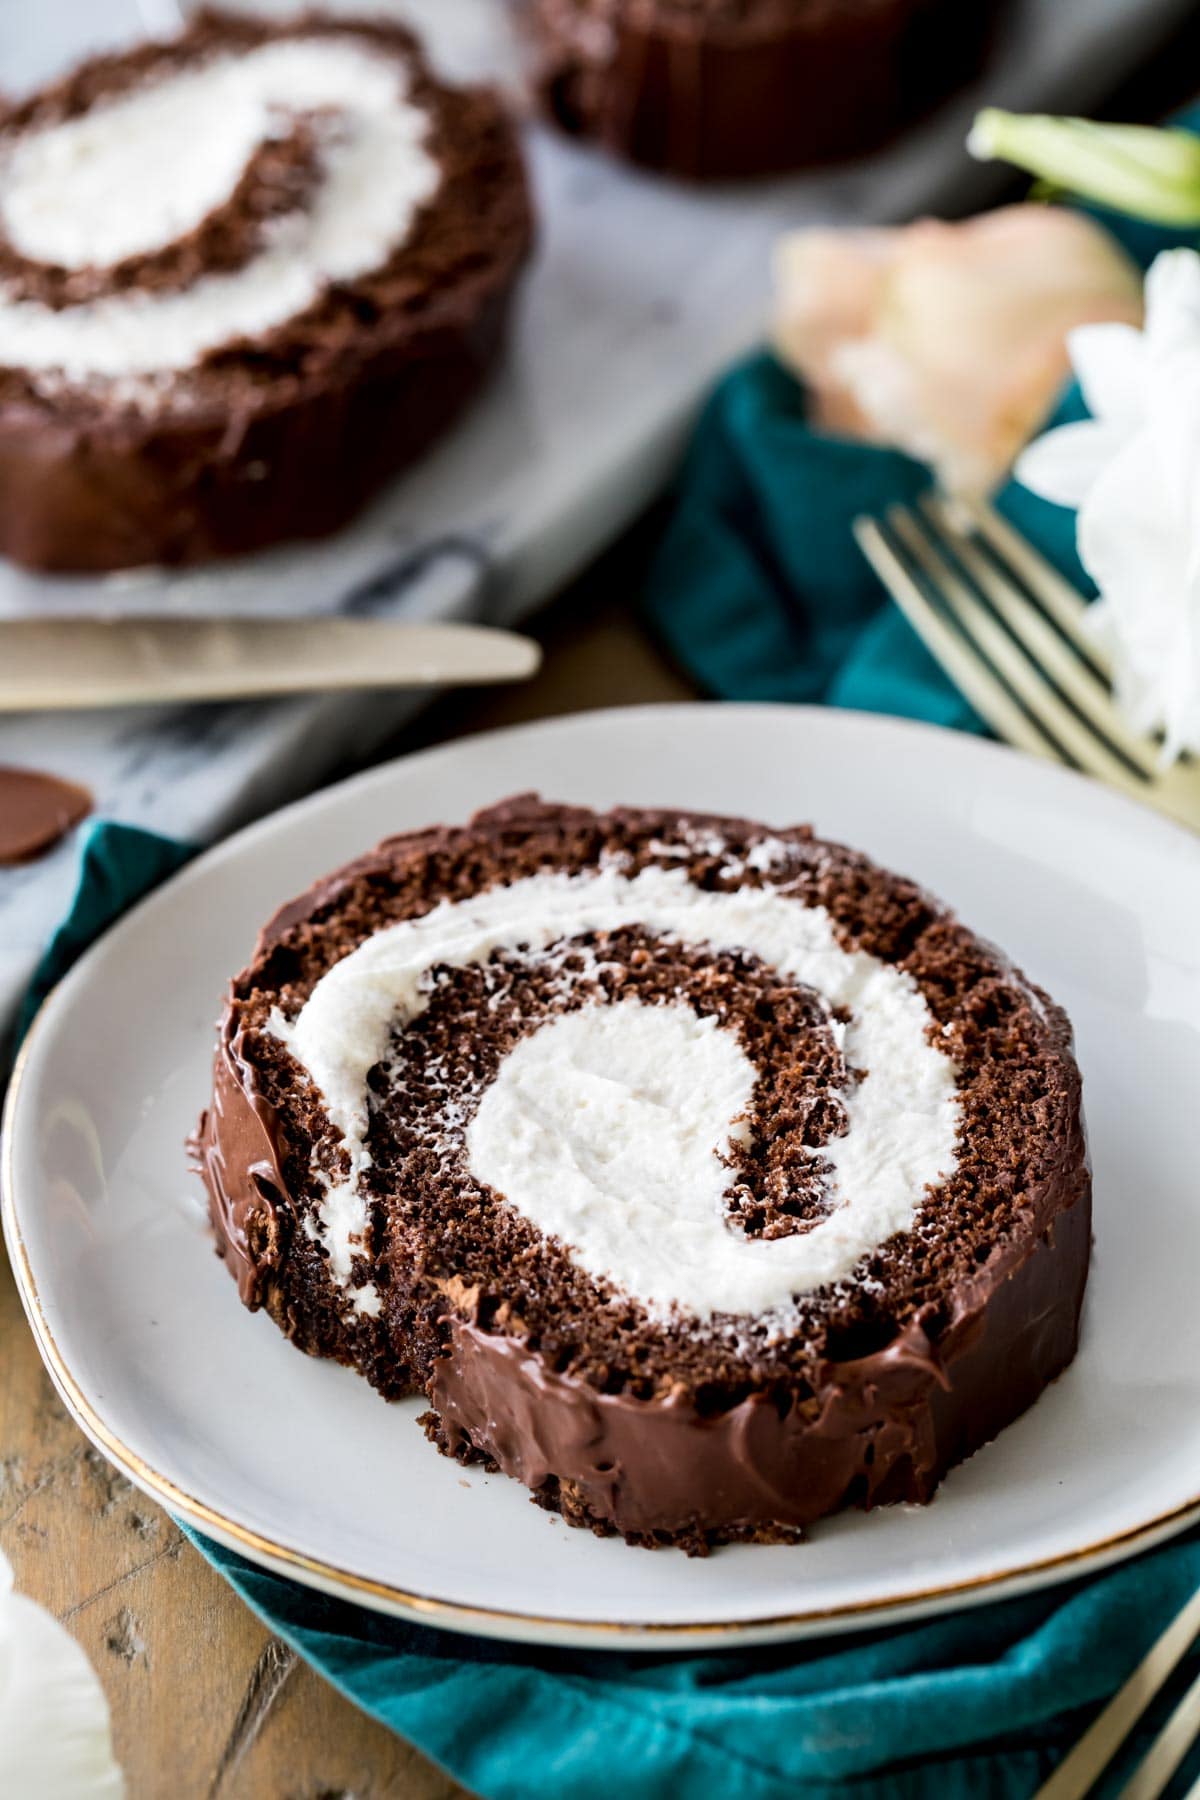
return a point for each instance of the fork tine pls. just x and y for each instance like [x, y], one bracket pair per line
[1011, 661]
[1168, 1749]
[965, 667]
[1072, 674]
[1065, 605]
[1100, 1742]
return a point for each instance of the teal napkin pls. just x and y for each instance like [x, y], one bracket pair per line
[976, 1706]
[758, 589]
[118, 864]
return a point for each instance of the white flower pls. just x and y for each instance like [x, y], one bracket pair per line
[1133, 472]
[54, 1733]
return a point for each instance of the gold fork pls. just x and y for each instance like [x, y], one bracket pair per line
[1082, 1767]
[1010, 632]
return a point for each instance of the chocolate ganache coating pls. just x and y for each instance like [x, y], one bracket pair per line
[274, 433]
[712, 89]
[666, 1427]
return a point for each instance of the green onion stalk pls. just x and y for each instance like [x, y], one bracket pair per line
[1149, 172]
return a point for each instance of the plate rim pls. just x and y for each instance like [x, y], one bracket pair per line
[500, 1622]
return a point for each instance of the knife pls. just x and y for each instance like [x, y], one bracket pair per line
[60, 664]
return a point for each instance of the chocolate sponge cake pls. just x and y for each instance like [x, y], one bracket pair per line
[245, 275]
[723, 88]
[704, 1177]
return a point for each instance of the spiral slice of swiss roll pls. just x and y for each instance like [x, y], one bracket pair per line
[703, 1176]
[246, 274]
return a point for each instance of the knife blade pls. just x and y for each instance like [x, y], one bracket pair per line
[61, 664]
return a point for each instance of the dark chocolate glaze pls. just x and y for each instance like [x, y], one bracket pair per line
[718, 90]
[288, 436]
[234, 1152]
[878, 1423]
[36, 810]
[885, 1427]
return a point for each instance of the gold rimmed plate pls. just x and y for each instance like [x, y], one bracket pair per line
[300, 1466]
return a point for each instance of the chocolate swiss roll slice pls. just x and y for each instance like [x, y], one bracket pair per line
[245, 275]
[722, 88]
[706, 1178]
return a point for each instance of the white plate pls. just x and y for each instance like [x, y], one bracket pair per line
[301, 1466]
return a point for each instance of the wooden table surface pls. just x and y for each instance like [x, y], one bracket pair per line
[206, 1705]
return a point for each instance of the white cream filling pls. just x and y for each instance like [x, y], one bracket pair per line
[682, 1252]
[608, 1127]
[137, 172]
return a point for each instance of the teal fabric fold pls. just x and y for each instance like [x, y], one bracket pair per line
[981, 1704]
[759, 591]
[118, 864]
[758, 588]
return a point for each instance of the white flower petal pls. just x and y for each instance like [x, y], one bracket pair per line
[1110, 361]
[1064, 464]
[1135, 477]
[54, 1731]
[1173, 303]
[1174, 407]
[1141, 554]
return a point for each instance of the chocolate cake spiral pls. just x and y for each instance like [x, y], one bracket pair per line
[706, 1178]
[245, 275]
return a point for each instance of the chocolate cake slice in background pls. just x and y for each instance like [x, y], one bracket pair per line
[245, 276]
[705, 1178]
[732, 88]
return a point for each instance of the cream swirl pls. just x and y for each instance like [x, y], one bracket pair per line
[136, 172]
[902, 1114]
